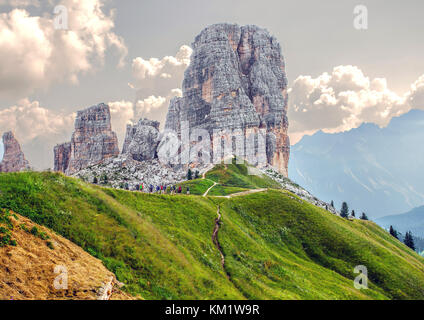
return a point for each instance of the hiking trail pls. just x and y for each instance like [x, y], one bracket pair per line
[207, 191]
[243, 193]
[216, 241]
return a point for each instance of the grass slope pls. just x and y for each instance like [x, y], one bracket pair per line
[230, 178]
[236, 175]
[276, 246]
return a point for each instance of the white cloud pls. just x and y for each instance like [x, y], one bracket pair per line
[126, 112]
[122, 113]
[416, 94]
[156, 82]
[149, 104]
[37, 129]
[34, 55]
[29, 120]
[20, 3]
[160, 76]
[344, 99]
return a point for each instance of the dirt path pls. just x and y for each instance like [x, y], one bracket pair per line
[216, 241]
[207, 191]
[243, 193]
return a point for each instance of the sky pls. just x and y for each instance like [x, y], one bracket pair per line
[132, 55]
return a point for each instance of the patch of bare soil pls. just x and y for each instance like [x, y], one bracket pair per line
[32, 270]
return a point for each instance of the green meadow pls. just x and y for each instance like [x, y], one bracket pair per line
[276, 246]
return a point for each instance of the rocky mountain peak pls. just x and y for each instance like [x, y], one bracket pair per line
[236, 80]
[141, 140]
[92, 141]
[13, 158]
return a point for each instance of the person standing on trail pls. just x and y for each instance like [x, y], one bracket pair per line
[180, 189]
[164, 188]
[188, 190]
[157, 189]
[161, 189]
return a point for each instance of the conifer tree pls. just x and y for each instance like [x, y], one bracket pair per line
[332, 203]
[364, 216]
[189, 175]
[353, 213]
[344, 212]
[393, 232]
[409, 240]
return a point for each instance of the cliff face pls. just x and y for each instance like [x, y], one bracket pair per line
[141, 140]
[62, 155]
[93, 139]
[13, 158]
[236, 80]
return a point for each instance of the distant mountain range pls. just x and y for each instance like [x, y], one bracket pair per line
[410, 221]
[376, 170]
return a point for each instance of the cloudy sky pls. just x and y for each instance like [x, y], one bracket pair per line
[132, 54]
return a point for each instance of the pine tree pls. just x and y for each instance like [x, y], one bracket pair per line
[353, 213]
[364, 216]
[95, 181]
[409, 240]
[332, 203]
[393, 232]
[189, 175]
[344, 212]
[196, 175]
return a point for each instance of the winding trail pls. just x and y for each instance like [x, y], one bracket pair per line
[207, 191]
[216, 241]
[243, 193]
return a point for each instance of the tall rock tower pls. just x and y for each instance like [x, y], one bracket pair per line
[236, 80]
[13, 157]
[92, 141]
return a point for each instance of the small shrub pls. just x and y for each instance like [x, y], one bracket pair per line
[44, 236]
[50, 245]
[4, 240]
[34, 231]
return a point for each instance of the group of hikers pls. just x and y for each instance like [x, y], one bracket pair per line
[162, 189]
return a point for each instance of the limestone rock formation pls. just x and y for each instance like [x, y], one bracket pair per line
[141, 140]
[124, 171]
[93, 139]
[62, 155]
[13, 157]
[236, 80]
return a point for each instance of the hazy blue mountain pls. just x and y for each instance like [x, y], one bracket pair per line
[376, 170]
[410, 221]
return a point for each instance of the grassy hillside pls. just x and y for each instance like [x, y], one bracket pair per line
[275, 245]
[229, 179]
[237, 175]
